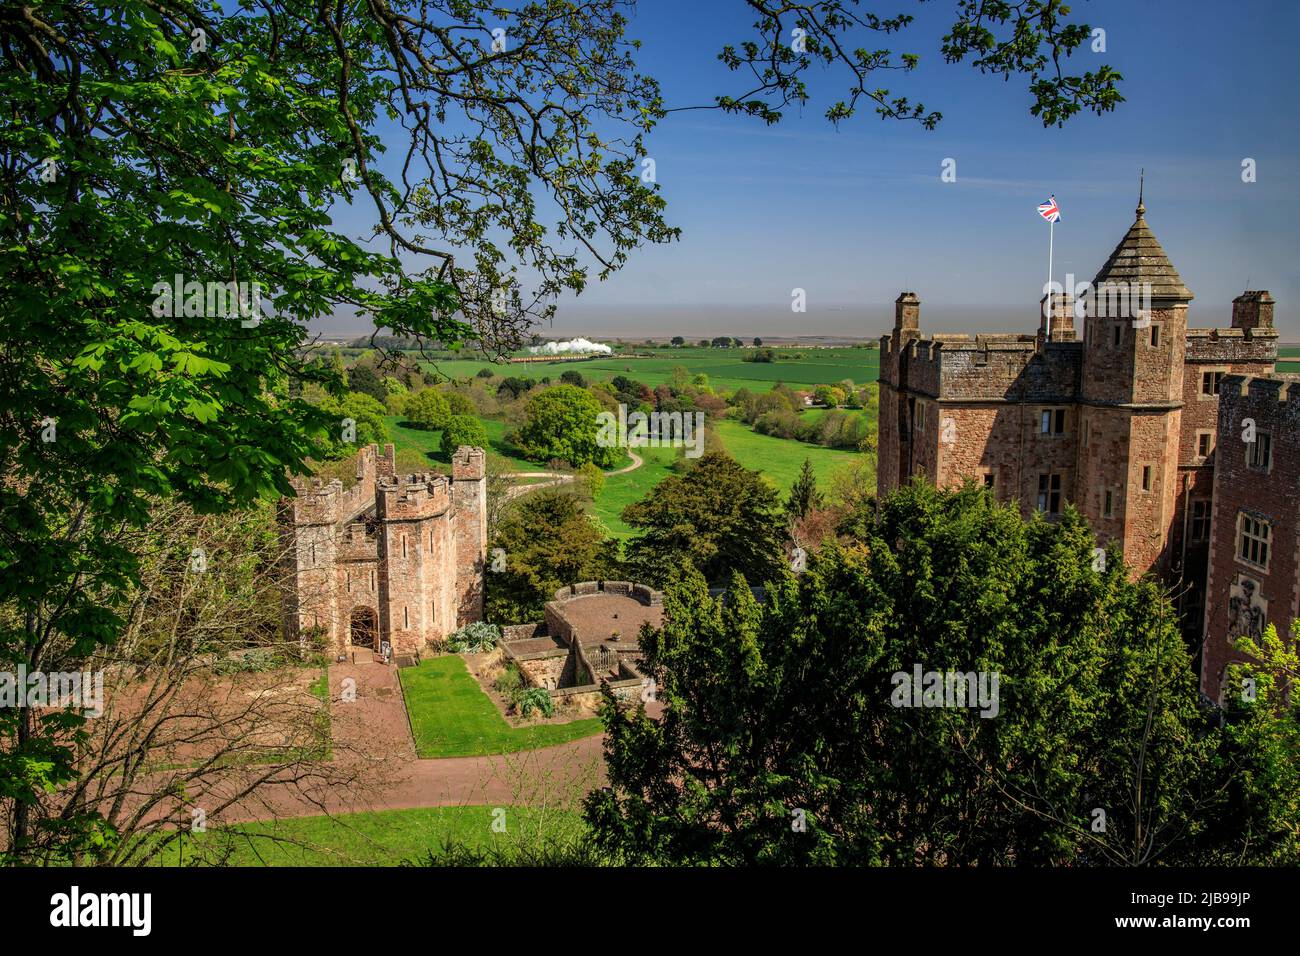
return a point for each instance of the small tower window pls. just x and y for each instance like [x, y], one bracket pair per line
[1108, 509]
[1118, 331]
[1146, 477]
[403, 545]
[406, 617]
[1155, 336]
[1260, 452]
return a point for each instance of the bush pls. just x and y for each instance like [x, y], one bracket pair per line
[484, 373]
[573, 377]
[592, 478]
[509, 683]
[463, 430]
[428, 409]
[458, 403]
[474, 638]
[535, 698]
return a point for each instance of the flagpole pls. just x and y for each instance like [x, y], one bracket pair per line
[1051, 236]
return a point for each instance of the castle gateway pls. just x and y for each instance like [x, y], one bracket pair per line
[1178, 444]
[394, 560]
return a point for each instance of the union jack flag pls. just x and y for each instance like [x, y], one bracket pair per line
[1050, 210]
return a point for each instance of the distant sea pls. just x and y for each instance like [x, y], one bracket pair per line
[826, 324]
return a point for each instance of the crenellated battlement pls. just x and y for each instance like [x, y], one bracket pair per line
[412, 497]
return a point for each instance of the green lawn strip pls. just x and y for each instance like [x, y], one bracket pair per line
[780, 459]
[381, 838]
[452, 717]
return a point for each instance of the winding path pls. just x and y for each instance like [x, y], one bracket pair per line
[556, 478]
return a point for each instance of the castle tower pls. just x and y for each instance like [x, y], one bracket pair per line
[469, 498]
[894, 449]
[1131, 391]
[414, 542]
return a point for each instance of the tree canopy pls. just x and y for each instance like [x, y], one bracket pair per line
[785, 738]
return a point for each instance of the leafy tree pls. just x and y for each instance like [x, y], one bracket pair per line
[561, 424]
[368, 415]
[678, 341]
[573, 377]
[548, 543]
[463, 430]
[514, 387]
[804, 496]
[592, 479]
[801, 709]
[484, 373]
[718, 517]
[364, 379]
[428, 409]
[458, 403]
[757, 341]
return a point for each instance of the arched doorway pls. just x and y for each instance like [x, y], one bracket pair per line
[365, 627]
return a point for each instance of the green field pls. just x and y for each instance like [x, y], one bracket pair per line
[383, 838]
[621, 490]
[725, 367]
[779, 458]
[452, 717]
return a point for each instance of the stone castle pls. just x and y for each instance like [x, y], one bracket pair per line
[392, 560]
[1179, 445]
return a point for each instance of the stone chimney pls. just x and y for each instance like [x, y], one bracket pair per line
[1253, 310]
[1062, 314]
[907, 315]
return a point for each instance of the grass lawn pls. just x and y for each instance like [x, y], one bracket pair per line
[621, 490]
[452, 717]
[780, 459]
[383, 838]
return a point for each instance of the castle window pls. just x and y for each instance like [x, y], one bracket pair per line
[1253, 536]
[433, 612]
[403, 545]
[1199, 531]
[1053, 421]
[1210, 382]
[1155, 336]
[313, 555]
[1259, 454]
[1049, 493]
[1146, 477]
[989, 480]
[920, 416]
[349, 580]
[406, 617]
[372, 580]
[1108, 509]
[1204, 444]
[1118, 331]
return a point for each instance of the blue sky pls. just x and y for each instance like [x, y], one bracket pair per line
[856, 214]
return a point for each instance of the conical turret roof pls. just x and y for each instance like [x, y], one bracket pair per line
[1139, 258]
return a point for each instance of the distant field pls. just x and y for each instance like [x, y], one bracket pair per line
[725, 368]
